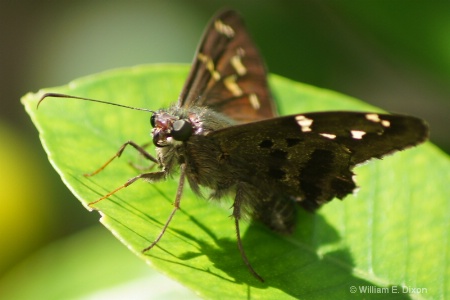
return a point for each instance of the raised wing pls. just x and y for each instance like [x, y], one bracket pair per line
[228, 74]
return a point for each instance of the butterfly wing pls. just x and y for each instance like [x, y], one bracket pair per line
[228, 74]
[309, 157]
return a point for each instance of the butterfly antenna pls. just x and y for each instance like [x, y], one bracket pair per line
[57, 95]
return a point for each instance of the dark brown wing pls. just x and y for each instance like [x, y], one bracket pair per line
[309, 157]
[228, 74]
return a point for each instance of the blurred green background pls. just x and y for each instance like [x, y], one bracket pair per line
[393, 54]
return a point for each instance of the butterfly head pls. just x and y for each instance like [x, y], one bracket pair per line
[169, 129]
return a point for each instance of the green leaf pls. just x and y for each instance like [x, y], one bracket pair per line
[393, 234]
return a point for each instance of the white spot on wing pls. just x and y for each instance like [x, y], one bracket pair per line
[328, 135]
[357, 134]
[304, 123]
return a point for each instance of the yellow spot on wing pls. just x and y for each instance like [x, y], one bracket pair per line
[254, 101]
[224, 28]
[209, 64]
[232, 86]
[237, 64]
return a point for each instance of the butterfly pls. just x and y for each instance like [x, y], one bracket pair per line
[224, 134]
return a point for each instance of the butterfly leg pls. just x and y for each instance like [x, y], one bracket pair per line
[237, 216]
[150, 177]
[140, 167]
[176, 207]
[140, 149]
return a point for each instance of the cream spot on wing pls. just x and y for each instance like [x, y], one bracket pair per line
[232, 86]
[254, 101]
[376, 118]
[357, 134]
[328, 135]
[304, 123]
[385, 123]
[373, 117]
[224, 28]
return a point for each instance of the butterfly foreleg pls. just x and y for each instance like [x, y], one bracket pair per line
[141, 168]
[140, 149]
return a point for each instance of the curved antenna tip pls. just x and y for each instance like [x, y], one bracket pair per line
[58, 95]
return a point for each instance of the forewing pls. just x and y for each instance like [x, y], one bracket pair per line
[228, 74]
[368, 135]
[309, 157]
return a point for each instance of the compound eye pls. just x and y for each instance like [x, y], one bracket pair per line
[181, 130]
[152, 120]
